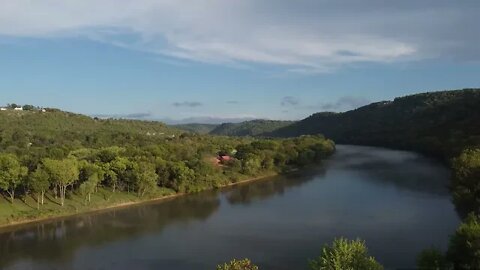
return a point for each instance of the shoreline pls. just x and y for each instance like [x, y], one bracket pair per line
[19, 224]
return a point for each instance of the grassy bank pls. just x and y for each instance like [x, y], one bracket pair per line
[24, 210]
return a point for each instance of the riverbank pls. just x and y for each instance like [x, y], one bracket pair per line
[23, 213]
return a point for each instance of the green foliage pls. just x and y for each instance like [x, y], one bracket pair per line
[344, 254]
[90, 175]
[11, 174]
[432, 259]
[251, 164]
[196, 128]
[69, 156]
[464, 247]
[249, 128]
[465, 180]
[28, 107]
[63, 173]
[145, 178]
[39, 183]
[244, 264]
[438, 123]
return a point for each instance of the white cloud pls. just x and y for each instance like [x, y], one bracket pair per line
[303, 36]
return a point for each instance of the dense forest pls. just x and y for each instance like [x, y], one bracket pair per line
[59, 155]
[438, 123]
[249, 128]
[196, 128]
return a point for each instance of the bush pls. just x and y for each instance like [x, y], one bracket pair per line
[432, 259]
[244, 264]
[464, 248]
[344, 254]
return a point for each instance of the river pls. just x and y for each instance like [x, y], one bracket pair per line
[398, 202]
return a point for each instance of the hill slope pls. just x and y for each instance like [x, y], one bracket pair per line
[249, 128]
[196, 128]
[440, 123]
[67, 130]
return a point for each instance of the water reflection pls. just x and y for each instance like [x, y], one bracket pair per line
[397, 201]
[278, 185]
[404, 170]
[57, 241]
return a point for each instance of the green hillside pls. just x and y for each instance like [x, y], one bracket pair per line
[439, 123]
[55, 163]
[196, 128]
[55, 128]
[249, 128]
[445, 124]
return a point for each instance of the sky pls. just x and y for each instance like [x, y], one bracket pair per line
[229, 60]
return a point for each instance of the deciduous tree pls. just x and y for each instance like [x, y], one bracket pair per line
[11, 174]
[63, 173]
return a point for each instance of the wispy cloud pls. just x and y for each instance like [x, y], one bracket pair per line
[191, 104]
[232, 102]
[289, 101]
[302, 36]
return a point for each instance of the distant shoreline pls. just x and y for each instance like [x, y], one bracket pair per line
[6, 227]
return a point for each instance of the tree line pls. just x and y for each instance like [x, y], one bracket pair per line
[46, 161]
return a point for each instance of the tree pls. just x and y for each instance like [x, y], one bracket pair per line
[114, 170]
[28, 107]
[432, 259]
[344, 254]
[87, 188]
[465, 184]
[180, 176]
[39, 183]
[11, 174]
[91, 175]
[244, 264]
[464, 248]
[146, 178]
[63, 173]
[251, 164]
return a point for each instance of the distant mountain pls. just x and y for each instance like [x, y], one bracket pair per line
[249, 128]
[439, 123]
[196, 128]
[205, 120]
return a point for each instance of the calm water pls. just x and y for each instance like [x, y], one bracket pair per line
[397, 201]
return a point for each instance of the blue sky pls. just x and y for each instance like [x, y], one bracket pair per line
[232, 60]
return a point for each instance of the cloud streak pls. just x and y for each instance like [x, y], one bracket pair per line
[301, 36]
[191, 104]
[289, 101]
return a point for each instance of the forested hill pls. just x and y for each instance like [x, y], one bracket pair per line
[440, 123]
[196, 127]
[63, 130]
[77, 162]
[249, 128]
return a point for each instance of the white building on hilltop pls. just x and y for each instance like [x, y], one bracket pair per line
[18, 109]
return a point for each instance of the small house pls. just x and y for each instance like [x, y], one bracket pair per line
[224, 158]
[18, 109]
[3, 109]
